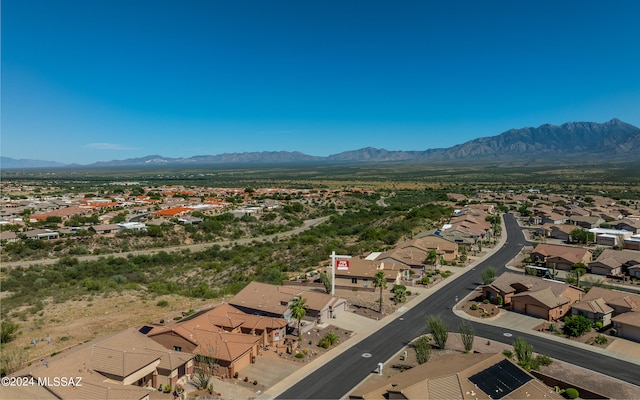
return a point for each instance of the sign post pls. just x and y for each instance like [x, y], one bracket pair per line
[342, 264]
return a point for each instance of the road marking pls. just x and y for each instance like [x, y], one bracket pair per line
[366, 355]
[507, 334]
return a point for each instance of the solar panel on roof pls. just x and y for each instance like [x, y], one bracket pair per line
[145, 329]
[500, 379]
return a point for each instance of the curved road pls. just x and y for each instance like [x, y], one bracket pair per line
[193, 247]
[339, 376]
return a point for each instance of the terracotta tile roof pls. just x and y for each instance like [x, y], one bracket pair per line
[171, 212]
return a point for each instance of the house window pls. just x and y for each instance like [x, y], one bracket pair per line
[177, 348]
[354, 280]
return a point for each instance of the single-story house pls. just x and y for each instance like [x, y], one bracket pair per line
[631, 225]
[361, 273]
[127, 365]
[224, 333]
[232, 351]
[614, 262]
[560, 257]
[8, 237]
[46, 234]
[445, 249]
[621, 302]
[596, 310]
[105, 229]
[627, 325]
[531, 295]
[587, 221]
[459, 376]
[273, 300]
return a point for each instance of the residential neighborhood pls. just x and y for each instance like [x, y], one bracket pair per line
[550, 280]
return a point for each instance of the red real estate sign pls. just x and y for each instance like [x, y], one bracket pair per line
[342, 264]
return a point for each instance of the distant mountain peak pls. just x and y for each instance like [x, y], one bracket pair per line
[613, 140]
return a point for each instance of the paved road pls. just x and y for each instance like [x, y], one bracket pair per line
[339, 376]
[193, 247]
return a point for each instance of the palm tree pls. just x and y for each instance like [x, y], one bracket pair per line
[298, 309]
[432, 256]
[380, 281]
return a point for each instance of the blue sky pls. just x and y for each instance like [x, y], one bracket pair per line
[86, 81]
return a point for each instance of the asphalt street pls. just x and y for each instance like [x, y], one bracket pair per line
[339, 376]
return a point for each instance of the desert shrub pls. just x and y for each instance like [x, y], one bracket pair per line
[438, 330]
[572, 393]
[500, 300]
[299, 355]
[474, 306]
[162, 303]
[507, 353]
[601, 339]
[542, 359]
[423, 349]
[486, 301]
[9, 330]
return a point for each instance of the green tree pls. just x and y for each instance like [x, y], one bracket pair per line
[423, 349]
[582, 236]
[379, 281]
[7, 331]
[488, 275]
[326, 281]
[576, 325]
[439, 330]
[467, 334]
[524, 353]
[298, 307]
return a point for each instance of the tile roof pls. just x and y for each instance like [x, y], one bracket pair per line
[597, 306]
[449, 379]
[614, 297]
[118, 354]
[274, 299]
[569, 253]
[508, 280]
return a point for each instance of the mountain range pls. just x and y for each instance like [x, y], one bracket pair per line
[610, 141]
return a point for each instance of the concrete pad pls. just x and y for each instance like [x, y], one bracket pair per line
[269, 370]
[355, 323]
[626, 347]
